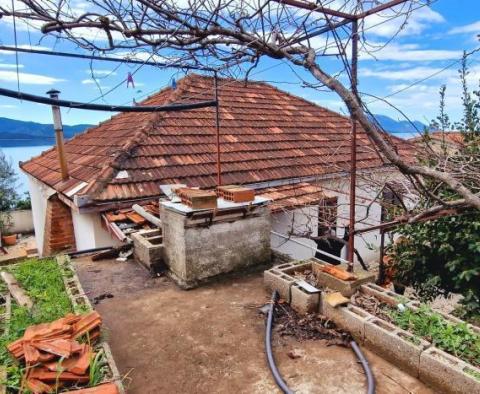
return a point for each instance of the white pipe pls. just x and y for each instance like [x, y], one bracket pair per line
[148, 216]
[310, 247]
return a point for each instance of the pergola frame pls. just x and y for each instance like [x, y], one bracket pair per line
[348, 19]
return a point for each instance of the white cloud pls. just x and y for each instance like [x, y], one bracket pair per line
[88, 82]
[10, 65]
[100, 73]
[407, 52]
[28, 79]
[8, 106]
[383, 25]
[406, 74]
[471, 28]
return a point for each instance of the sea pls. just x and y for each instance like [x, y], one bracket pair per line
[22, 153]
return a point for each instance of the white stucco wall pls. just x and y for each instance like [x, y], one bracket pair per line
[302, 220]
[89, 232]
[39, 194]
[22, 221]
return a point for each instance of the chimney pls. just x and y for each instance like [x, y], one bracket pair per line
[57, 125]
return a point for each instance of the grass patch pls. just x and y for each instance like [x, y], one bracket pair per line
[42, 280]
[454, 338]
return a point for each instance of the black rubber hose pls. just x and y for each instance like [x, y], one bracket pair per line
[366, 367]
[268, 347]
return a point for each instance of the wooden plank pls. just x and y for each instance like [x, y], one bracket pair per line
[16, 290]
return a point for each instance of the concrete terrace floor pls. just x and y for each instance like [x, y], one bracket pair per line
[211, 339]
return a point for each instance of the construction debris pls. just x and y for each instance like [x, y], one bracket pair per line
[337, 272]
[147, 215]
[16, 290]
[196, 198]
[53, 356]
[312, 326]
[236, 193]
[121, 223]
[372, 305]
[336, 299]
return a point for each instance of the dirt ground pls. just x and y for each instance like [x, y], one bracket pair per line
[211, 339]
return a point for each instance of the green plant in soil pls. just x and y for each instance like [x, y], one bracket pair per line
[454, 338]
[473, 373]
[42, 280]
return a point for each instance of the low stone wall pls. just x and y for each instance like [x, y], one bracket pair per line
[22, 221]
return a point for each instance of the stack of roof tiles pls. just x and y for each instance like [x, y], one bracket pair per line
[266, 134]
[53, 355]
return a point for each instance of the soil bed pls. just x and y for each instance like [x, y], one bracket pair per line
[457, 339]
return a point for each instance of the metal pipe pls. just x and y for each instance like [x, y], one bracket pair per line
[102, 58]
[268, 346]
[217, 132]
[103, 107]
[58, 127]
[353, 152]
[85, 251]
[310, 247]
[366, 367]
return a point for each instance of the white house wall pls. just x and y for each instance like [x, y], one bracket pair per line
[89, 232]
[301, 220]
[39, 194]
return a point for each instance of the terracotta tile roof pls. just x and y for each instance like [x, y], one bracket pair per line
[451, 137]
[293, 195]
[266, 134]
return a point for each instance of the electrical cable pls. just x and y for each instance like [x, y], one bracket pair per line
[103, 107]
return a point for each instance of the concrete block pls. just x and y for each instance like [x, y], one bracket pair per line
[148, 248]
[383, 295]
[348, 317]
[277, 280]
[447, 373]
[347, 288]
[297, 266]
[395, 345]
[304, 302]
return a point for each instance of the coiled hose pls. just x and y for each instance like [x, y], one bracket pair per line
[273, 367]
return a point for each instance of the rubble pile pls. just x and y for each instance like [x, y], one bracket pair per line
[59, 354]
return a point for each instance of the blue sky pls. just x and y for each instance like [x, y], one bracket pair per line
[434, 38]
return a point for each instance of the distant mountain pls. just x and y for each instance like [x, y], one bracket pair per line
[399, 126]
[20, 133]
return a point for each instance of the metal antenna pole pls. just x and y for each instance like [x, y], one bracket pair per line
[217, 129]
[57, 125]
[353, 152]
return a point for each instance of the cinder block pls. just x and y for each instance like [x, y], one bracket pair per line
[297, 266]
[348, 317]
[304, 302]
[395, 345]
[383, 295]
[447, 373]
[347, 288]
[274, 279]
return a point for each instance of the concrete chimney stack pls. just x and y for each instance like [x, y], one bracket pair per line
[57, 125]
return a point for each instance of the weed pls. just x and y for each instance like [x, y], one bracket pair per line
[454, 338]
[473, 373]
[95, 371]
